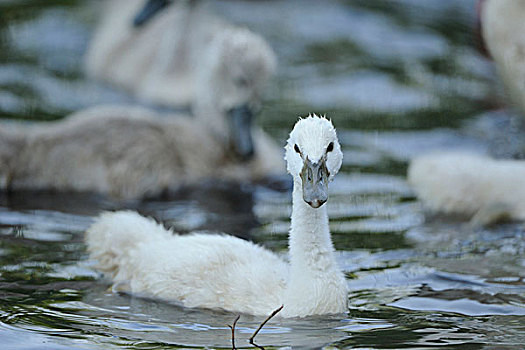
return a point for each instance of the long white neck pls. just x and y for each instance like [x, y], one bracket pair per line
[316, 284]
[309, 241]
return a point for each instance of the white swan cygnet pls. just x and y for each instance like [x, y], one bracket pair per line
[185, 55]
[126, 152]
[224, 272]
[503, 28]
[474, 185]
[181, 51]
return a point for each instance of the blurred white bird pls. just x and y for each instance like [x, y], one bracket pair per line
[484, 189]
[126, 152]
[184, 55]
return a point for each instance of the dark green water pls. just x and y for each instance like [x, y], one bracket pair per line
[398, 78]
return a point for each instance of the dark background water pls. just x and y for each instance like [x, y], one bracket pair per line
[398, 78]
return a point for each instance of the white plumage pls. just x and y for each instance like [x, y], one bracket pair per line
[218, 271]
[470, 184]
[197, 270]
[503, 25]
[179, 56]
[126, 152]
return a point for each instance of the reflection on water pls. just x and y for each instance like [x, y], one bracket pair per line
[398, 78]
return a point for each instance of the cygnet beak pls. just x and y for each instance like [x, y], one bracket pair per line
[240, 122]
[148, 11]
[315, 182]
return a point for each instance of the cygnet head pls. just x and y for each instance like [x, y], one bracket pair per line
[239, 67]
[313, 157]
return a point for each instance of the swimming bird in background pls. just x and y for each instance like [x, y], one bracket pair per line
[186, 56]
[126, 152]
[224, 272]
[484, 189]
[167, 59]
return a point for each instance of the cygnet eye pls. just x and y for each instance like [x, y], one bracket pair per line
[296, 148]
[330, 147]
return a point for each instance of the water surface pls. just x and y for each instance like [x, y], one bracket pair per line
[398, 78]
